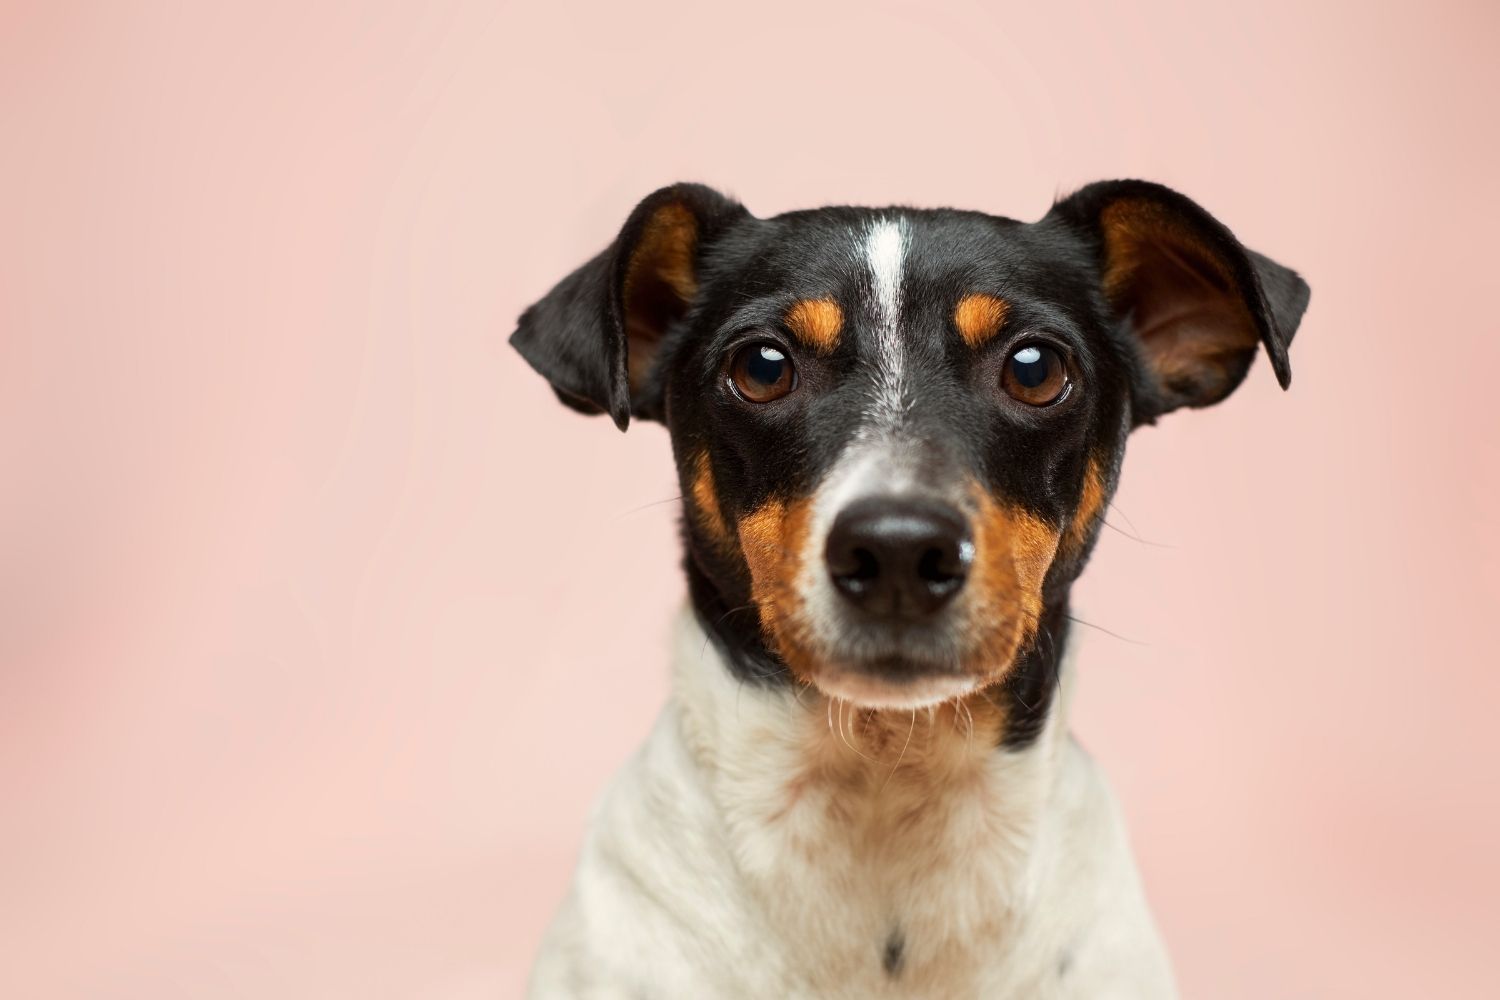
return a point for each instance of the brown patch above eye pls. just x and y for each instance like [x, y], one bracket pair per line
[705, 498]
[1090, 507]
[979, 316]
[816, 323]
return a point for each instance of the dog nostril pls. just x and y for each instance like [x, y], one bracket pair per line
[857, 571]
[866, 567]
[940, 568]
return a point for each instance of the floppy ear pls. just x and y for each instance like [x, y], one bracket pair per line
[594, 335]
[1195, 301]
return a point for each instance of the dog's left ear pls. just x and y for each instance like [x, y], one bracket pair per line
[595, 334]
[1197, 303]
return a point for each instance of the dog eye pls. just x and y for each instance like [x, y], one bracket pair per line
[1035, 375]
[762, 372]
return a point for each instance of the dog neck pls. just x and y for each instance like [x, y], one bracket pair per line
[894, 842]
[785, 760]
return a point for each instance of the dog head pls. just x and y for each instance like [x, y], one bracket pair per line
[896, 429]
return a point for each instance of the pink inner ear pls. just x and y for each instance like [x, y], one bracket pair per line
[1182, 302]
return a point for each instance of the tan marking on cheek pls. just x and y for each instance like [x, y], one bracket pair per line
[705, 497]
[1090, 507]
[979, 317]
[772, 538]
[760, 537]
[816, 323]
[1013, 551]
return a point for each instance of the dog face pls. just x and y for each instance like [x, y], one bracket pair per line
[897, 430]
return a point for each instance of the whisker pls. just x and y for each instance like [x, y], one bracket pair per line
[1017, 695]
[1042, 632]
[1131, 534]
[1101, 628]
[719, 621]
[1117, 509]
[646, 506]
[851, 746]
[902, 755]
[733, 611]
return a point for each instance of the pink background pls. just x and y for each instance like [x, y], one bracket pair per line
[321, 624]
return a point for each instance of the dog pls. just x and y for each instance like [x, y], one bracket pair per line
[896, 432]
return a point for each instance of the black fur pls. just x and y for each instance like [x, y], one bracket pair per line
[893, 955]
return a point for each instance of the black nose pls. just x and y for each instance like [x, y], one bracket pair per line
[898, 557]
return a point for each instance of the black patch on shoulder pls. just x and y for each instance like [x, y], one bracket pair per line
[894, 955]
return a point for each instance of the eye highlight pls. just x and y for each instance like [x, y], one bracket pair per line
[762, 372]
[1035, 374]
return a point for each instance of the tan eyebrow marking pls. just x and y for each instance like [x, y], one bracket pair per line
[979, 317]
[817, 323]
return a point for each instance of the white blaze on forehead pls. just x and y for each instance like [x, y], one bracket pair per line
[885, 253]
[878, 459]
[885, 247]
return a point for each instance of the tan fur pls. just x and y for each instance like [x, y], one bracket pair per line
[817, 323]
[1136, 230]
[659, 281]
[1090, 508]
[772, 538]
[1013, 550]
[1132, 224]
[704, 499]
[979, 317]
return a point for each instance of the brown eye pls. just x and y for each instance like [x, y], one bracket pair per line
[1035, 375]
[762, 372]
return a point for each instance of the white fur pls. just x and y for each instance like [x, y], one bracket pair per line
[751, 850]
[885, 248]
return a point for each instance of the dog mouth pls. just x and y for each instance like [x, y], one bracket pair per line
[876, 665]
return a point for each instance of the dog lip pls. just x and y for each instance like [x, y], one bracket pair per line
[900, 669]
[914, 690]
[894, 650]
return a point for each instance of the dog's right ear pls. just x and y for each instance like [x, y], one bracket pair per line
[595, 335]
